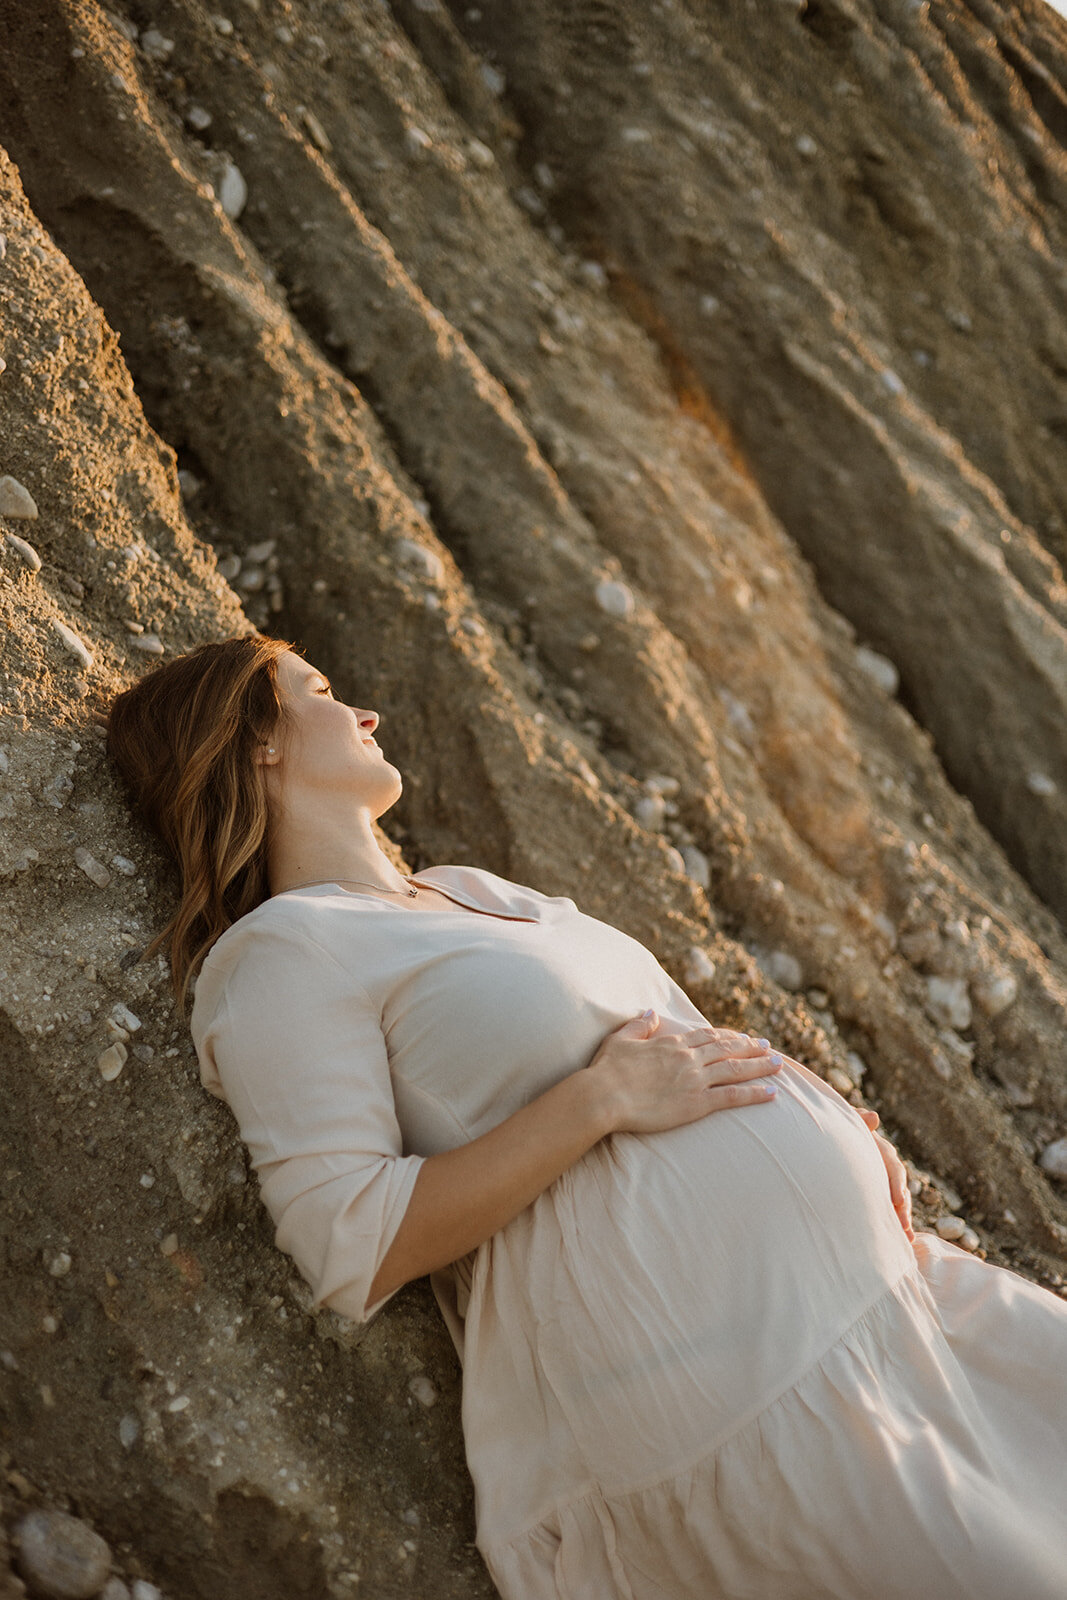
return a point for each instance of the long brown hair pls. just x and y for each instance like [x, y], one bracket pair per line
[184, 739]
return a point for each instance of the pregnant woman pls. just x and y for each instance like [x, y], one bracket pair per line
[704, 1354]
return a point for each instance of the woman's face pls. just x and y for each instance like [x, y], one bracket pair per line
[327, 748]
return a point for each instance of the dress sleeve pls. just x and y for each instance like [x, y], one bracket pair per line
[295, 1046]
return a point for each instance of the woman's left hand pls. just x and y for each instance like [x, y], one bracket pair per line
[896, 1171]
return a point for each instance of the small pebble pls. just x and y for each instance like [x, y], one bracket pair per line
[697, 865]
[60, 1556]
[948, 1002]
[256, 554]
[111, 1061]
[1040, 783]
[149, 644]
[169, 1245]
[423, 1390]
[60, 1264]
[229, 567]
[129, 1431]
[784, 968]
[222, 25]
[951, 1227]
[818, 997]
[649, 812]
[878, 668]
[181, 1402]
[416, 140]
[24, 550]
[315, 131]
[92, 868]
[143, 1590]
[125, 1017]
[839, 1080]
[231, 190]
[659, 783]
[995, 992]
[77, 647]
[699, 967]
[124, 865]
[16, 501]
[155, 46]
[968, 1240]
[1053, 1159]
[425, 561]
[114, 1589]
[199, 120]
[615, 598]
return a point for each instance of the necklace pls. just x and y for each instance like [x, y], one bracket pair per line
[363, 882]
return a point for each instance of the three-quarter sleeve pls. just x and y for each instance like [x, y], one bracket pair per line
[295, 1045]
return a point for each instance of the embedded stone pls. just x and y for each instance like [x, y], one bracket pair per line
[24, 550]
[93, 869]
[947, 1001]
[950, 1228]
[16, 500]
[994, 992]
[61, 1557]
[1053, 1159]
[77, 647]
[614, 598]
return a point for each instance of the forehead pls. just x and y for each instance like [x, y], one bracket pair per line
[294, 671]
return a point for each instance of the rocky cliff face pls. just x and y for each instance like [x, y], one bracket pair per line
[660, 414]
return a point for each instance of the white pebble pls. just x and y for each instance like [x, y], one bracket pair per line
[423, 1390]
[77, 647]
[739, 716]
[891, 382]
[60, 1265]
[124, 865]
[615, 598]
[995, 992]
[493, 79]
[16, 500]
[784, 968]
[231, 190]
[948, 1002]
[114, 1589]
[709, 305]
[951, 1227]
[658, 783]
[878, 668]
[25, 551]
[181, 1402]
[256, 554]
[1040, 783]
[699, 967]
[92, 868]
[697, 865]
[1053, 1159]
[806, 145]
[129, 1431]
[222, 25]
[968, 1240]
[480, 153]
[155, 46]
[649, 812]
[416, 140]
[125, 1017]
[199, 120]
[111, 1062]
[425, 561]
[143, 1590]
[593, 274]
[149, 644]
[839, 1080]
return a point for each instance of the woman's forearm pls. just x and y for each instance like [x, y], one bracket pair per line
[464, 1195]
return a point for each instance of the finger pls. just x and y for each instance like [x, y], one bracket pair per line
[871, 1118]
[724, 1096]
[737, 1069]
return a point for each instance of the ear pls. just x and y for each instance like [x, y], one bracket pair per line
[266, 755]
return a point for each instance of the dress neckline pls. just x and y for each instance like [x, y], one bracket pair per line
[449, 894]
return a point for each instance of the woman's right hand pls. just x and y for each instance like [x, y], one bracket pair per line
[654, 1080]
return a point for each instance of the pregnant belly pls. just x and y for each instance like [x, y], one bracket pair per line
[670, 1286]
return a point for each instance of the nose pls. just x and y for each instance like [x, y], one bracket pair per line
[368, 720]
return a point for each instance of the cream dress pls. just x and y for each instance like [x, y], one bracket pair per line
[704, 1363]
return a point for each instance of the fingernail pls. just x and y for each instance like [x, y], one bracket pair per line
[776, 1059]
[648, 1013]
[770, 1088]
[764, 1044]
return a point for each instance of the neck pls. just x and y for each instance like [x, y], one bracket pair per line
[331, 851]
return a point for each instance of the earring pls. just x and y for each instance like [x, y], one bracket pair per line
[270, 752]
